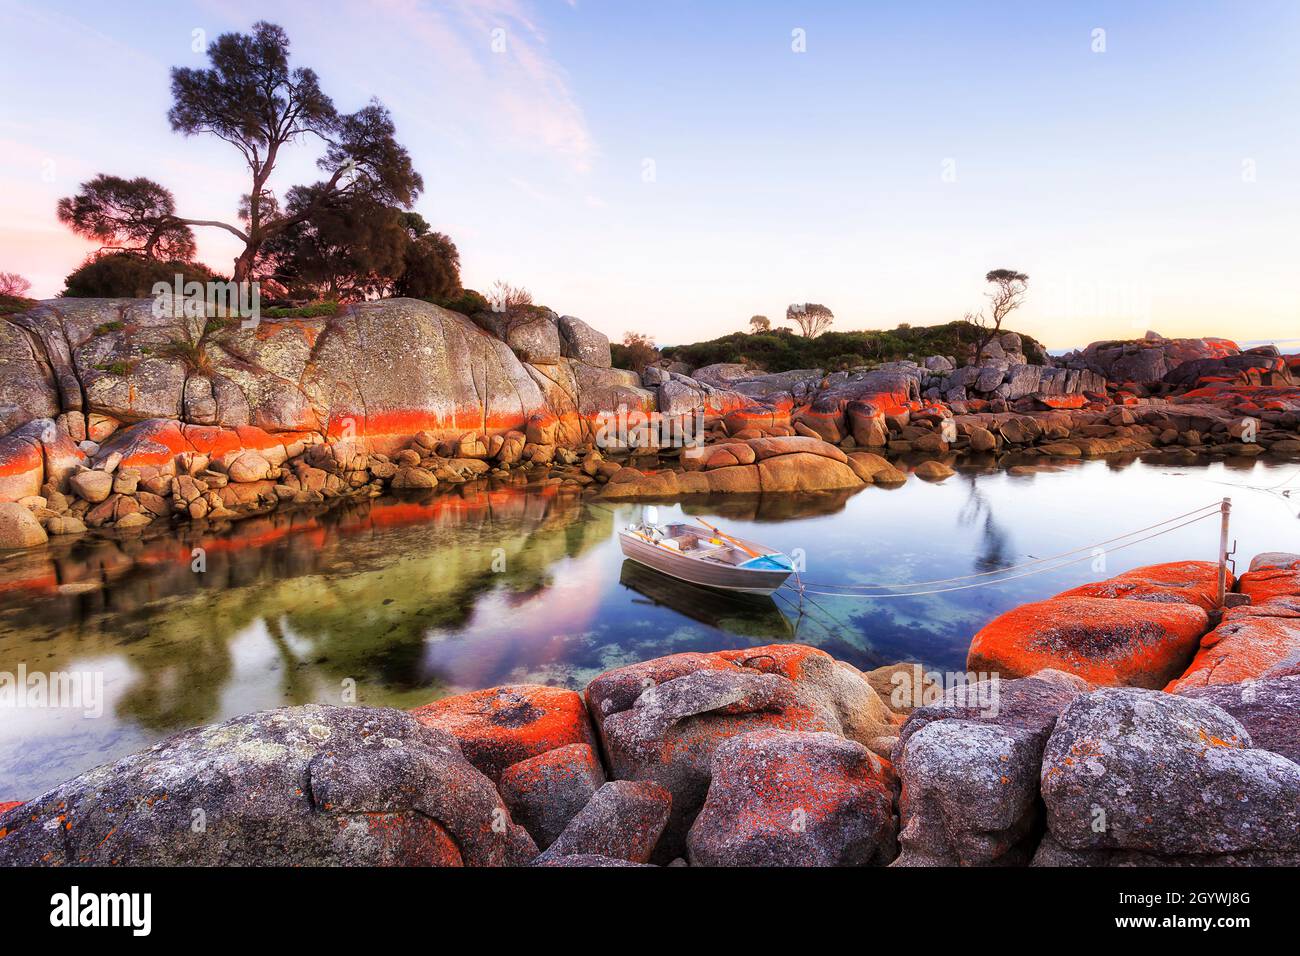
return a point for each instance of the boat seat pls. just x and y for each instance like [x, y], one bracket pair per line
[709, 550]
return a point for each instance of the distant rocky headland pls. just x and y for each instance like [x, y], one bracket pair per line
[115, 416]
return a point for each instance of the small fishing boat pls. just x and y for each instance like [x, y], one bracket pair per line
[705, 556]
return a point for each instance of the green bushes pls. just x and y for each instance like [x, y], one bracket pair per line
[13, 304]
[124, 275]
[782, 349]
[314, 311]
[467, 302]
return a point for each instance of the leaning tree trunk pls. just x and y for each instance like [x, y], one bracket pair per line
[244, 264]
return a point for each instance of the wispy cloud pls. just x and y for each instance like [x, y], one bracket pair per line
[478, 70]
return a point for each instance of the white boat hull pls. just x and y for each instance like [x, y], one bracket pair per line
[701, 571]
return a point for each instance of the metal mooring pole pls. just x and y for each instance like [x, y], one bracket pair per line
[1225, 511]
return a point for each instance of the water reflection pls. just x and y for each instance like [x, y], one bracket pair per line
[399, 601]
[749, 615]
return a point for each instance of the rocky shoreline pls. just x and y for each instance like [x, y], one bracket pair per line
[118, 418]
[1127, 722]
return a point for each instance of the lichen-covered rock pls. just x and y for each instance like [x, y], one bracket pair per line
[1269, 709]
[969, 767]
[545, 792]
[875, 469]
[1159, 773]
[781, 798]
[1275, 578]
[1247, 644]
[622, 821]
[378, 371]
[1189, 582]
[580, 341]
[1106, 641]
[663, 719]
[822, 681]
[307, 786]
[669, 734]
[501, 726]
[1052, 853]
[585, 861]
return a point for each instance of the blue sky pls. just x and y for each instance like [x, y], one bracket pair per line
[677, 167]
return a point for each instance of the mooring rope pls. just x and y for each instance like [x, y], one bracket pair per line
[981, 584]
[1208, 509]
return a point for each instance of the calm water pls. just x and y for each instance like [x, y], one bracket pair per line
[406, 601]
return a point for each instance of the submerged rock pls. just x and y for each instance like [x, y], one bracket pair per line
[1249, 643]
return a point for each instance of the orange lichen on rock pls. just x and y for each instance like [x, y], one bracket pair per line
[1106, 641]
[1250, 642]
[503, 725]
[1269, 585]
[788, 660]
[1186, 582]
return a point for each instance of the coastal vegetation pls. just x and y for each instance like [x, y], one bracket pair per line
[781, 349]
[348, 236]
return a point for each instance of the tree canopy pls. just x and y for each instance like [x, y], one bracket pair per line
[128, 215]
[250, 97]
[1007, 295]
[811, 318]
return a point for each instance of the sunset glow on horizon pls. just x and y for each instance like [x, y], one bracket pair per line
[676, 170]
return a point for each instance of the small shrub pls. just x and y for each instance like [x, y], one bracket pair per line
[314, 311]
[466, 302]
[13, 304]
[123, 275]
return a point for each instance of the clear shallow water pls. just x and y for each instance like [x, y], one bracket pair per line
[399, 602]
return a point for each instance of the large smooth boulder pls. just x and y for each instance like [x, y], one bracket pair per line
[1187, 582]
[381, 371]
[1106, 641]
[804, 471]
[581, 342]
[781, 798]
[969, 767]
[1159, 773]
[19, 527]
[500, 726]
[302, 786]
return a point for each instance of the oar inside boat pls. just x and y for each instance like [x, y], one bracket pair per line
[710, 558]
